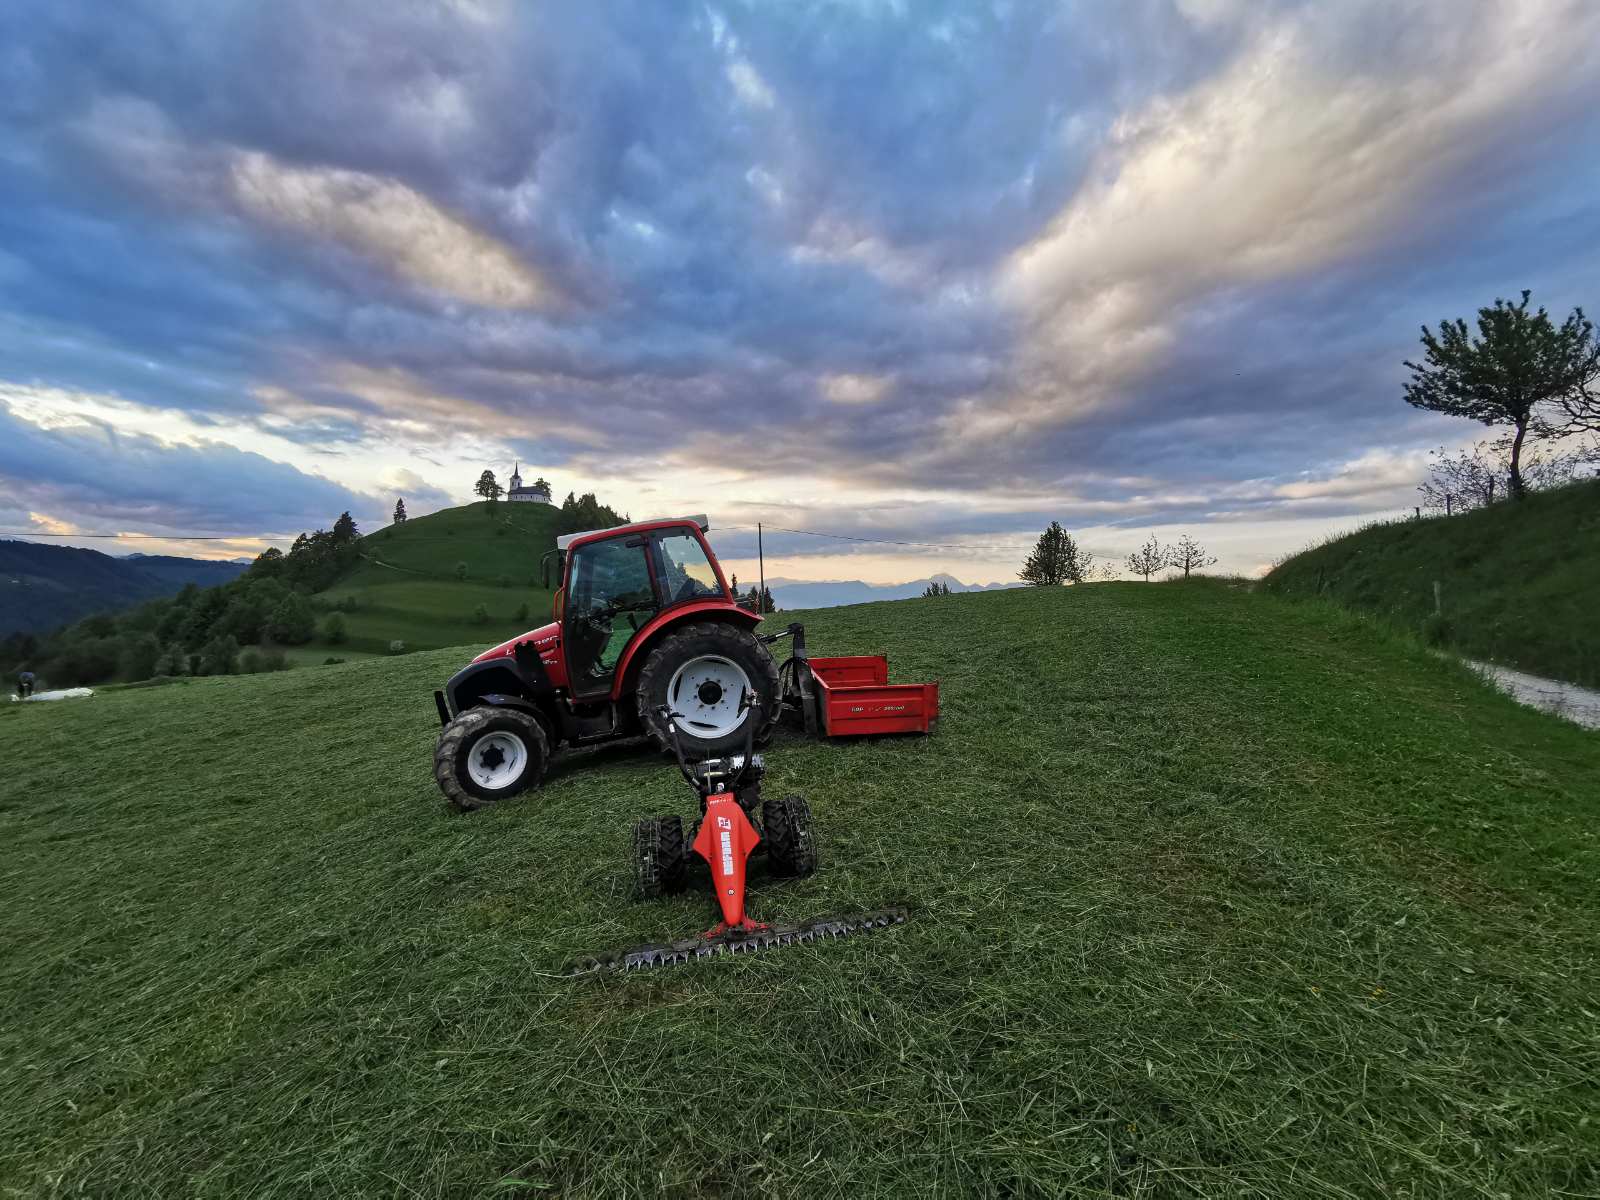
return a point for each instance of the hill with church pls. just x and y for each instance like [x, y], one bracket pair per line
[455, 577]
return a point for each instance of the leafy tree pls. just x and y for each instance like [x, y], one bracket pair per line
[935, 588]
[1149, 559]
[480, 615]
[488, 488]
[202, 617]
[1189, 555]
[292, 622]
[542, 484]
[461, 570]
[333, 629]
[245, 617]
[172, 661]
[139, 656]
[580, 513]
[219, 656]
[1518, 368]
[521, 614]
[1055, 559]
[267, 564]
[400, 511]
[344, 530]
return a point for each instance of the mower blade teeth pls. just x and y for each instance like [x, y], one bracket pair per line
[649, 957]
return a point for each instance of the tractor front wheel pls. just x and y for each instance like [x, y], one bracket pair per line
[706, 673]
[487, 754]
[786, 829]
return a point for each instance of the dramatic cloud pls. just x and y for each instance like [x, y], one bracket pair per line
[934, 272]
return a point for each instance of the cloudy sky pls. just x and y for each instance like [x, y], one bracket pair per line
[922, 271]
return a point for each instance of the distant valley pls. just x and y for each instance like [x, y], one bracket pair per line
[44, 587]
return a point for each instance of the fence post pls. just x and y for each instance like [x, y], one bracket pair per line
[1438, 604]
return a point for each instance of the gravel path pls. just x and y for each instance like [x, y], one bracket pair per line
[1551, 695]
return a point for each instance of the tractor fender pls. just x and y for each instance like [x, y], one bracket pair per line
[664, 622]
[497, 682]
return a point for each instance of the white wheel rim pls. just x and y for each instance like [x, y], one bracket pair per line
[707, 692]
[496, 760]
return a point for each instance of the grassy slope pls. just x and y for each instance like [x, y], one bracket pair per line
[1211, 895]
[1519, 581]
[407, 589]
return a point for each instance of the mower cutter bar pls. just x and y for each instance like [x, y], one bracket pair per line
[668, 954]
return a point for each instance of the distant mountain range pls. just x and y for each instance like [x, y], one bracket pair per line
[44, 587]
[830, 593]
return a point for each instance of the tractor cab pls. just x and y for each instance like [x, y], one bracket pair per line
[615, 583]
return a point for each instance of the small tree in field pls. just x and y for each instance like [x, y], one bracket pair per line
[1189, 555]
[1149, 558]
[461, 570]
[480, 615]
[488, 488]
[936, 589]
[1055, 559]
[333, 629]
[400, 512]
[1518, 368]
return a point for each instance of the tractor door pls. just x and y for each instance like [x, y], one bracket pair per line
[610, 596]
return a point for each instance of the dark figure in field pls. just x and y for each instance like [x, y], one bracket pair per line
[25, 684]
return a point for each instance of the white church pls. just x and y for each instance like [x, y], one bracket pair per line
[538, 493]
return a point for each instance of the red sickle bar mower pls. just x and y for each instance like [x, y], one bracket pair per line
[645, 625]
[725, 837]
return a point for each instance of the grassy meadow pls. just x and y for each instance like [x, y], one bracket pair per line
[1212, 895]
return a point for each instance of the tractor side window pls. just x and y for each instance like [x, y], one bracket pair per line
[686, 573]
[609, 597]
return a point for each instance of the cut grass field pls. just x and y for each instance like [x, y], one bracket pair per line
[1517, 581]
[1212, 895]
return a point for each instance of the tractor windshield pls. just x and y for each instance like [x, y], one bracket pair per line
[685, 571]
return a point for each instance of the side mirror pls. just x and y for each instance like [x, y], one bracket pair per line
[544, 567]
[559, 604]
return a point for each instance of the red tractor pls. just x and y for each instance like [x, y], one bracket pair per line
[646, 625]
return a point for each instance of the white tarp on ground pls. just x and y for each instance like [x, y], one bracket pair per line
[58, 694]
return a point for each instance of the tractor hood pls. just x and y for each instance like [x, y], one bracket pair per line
[543, 638]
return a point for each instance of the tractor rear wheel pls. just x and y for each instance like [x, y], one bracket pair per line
[658, 856]
[786, 829]
[487, 754]
[704, 672]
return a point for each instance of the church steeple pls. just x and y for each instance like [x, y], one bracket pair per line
[516, 475]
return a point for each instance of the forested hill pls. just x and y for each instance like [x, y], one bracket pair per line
[44, 587]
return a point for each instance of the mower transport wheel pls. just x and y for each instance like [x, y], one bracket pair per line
[701, 672]
[786, 828]
[658, 856]
[487, 754]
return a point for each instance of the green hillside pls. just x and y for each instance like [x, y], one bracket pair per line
[1211, 894]
[406, 587]
[1519, 582]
